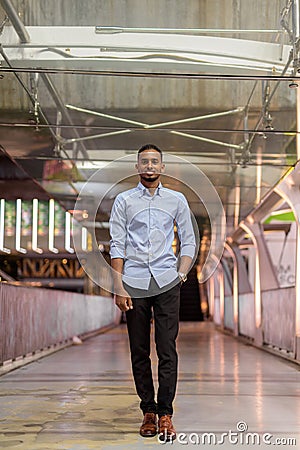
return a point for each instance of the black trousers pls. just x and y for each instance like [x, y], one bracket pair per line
[165, 307]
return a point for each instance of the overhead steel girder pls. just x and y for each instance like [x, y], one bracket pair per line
[21, 33]
[81, 48]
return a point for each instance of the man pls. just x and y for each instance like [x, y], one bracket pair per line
[147, 276]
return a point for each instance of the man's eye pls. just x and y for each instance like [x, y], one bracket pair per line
[146, 161]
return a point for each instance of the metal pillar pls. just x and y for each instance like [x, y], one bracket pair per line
[222, 293]
[296, 19]
[265, 276]
[16, 21]
[235, 291]
[289, 190]
[212, 296]
[240, 282]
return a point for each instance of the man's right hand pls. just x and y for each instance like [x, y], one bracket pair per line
[123, 301]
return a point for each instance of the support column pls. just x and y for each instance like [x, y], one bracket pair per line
[235, 291]
[212, 296]
[289, 190]
[265, 276]
[240, 282]
[222, 293]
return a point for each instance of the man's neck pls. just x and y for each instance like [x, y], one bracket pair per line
[151, 185]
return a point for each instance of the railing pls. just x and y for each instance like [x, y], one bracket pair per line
[247, 315]
[278, 312]
[217, 313]
[278, 318]
[33, 319]
[228, 312]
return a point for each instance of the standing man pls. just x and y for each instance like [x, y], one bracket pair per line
[147, 277]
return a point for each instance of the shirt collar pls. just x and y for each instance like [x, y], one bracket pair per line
[143, 189]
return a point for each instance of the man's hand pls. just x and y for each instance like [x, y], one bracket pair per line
[123, 300]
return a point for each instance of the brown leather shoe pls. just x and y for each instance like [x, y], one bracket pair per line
[149, 427]
[166, 429]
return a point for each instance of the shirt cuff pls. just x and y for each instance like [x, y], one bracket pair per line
[188, 250]
[116, 253]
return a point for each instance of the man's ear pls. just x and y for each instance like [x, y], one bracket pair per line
[136, 166]
[162, 168]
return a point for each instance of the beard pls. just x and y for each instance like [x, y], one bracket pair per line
[150, 178]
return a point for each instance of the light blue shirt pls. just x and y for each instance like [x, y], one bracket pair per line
[142, 232]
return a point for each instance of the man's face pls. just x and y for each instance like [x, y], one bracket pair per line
[150, 165]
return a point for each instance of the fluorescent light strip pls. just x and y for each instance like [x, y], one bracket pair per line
[19, 226]
[51, 226]
[211, 141]
[95, 136]
[34, 233]
[84, 236]
[2, 227]
[68, 233]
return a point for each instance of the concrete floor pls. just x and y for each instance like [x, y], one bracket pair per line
[83, 397]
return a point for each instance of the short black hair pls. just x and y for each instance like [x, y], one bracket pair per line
[150, 147]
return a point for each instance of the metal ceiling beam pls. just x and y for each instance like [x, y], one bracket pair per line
[147, 74]
[82, 48]
[209, 141]
[61, 107]
[294, 5]
[296, 19]
[157, 125]
[246, 155]
[117, 29]
[16, 21]
[24, 37]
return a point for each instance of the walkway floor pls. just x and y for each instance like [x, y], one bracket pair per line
[83, 397]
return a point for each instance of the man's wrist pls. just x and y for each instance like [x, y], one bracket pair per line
[182, 276]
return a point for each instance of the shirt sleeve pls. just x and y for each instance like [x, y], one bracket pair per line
[185, 229]
[117, 225]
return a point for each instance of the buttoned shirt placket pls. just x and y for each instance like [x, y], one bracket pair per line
[149, 199]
